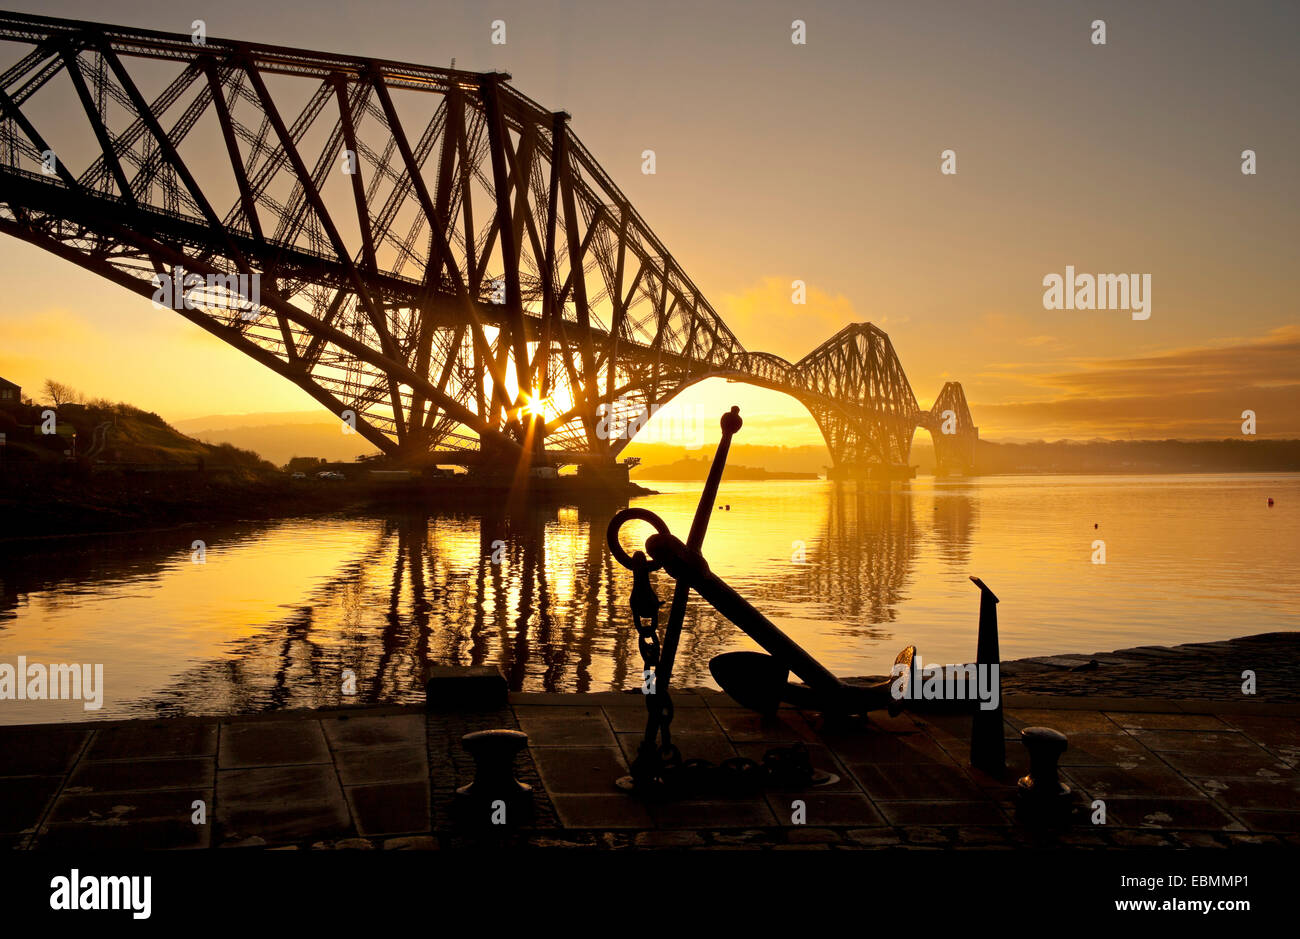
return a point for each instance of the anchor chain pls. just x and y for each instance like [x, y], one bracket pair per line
[659, 770]
[652, 759]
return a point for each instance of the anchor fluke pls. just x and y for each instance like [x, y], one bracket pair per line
[753, 679]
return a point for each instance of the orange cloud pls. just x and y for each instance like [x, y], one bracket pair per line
[765, 318]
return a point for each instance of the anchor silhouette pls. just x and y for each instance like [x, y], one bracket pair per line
[761, 681]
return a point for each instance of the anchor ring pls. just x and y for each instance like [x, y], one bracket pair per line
[624, 516]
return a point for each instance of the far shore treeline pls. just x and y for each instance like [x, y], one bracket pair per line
[129, 434]
[1250, 455]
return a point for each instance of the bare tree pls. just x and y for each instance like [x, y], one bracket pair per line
[61, 394]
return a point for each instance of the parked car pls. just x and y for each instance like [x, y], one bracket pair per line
[298, 476]
[330, 475]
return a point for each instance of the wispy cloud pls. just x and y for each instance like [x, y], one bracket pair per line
[1191, 392]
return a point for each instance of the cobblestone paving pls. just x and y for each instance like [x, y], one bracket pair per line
[1206, 670]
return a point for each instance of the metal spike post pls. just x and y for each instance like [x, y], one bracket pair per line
[988, 749]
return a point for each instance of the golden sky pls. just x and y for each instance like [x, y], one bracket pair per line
[778, 162]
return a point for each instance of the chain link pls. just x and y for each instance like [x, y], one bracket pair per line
[659, 770]
[653, 758]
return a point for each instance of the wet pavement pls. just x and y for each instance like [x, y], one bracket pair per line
[1174, 773]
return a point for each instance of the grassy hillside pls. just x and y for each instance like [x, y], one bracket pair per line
[135, 471]
[129, 435]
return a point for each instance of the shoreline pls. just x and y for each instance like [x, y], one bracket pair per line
[1125, 678]
[107, 507]
[1210, 671]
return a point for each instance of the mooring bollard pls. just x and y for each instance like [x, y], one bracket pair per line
[494, 754]
[988, 749]
[1041, 793]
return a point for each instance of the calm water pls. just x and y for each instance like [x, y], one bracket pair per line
[279, 610]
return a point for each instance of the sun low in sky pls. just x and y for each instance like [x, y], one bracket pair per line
[922, 166]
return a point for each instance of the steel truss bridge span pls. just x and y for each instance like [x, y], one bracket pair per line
[427, 252]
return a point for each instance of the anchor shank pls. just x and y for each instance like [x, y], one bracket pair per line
[692, 573]
[703, 512]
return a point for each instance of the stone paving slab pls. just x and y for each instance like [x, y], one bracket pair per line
[713, 747]
[1170, 775]
[92, 777]
[357, 732]
[730, 813]
[1108, 782]
[373, 765]
[272, 743]
[30, 751]
[601, 811]
[281, 804]
[390, 808]
[155, 739]
[148, 820]
[579, 770]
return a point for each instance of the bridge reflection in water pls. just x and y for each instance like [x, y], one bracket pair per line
[281, 611]
[539, 595]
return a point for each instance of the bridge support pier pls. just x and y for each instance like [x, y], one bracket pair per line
[605, 475]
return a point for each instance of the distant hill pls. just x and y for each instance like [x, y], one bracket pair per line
[697, 469]
[279, 437]
[1247, 455]
[1243, 455]
[773, 459]
[658, 459]
[129, 435]
[209, 422]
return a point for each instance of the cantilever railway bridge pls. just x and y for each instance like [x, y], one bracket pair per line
[428, 253]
